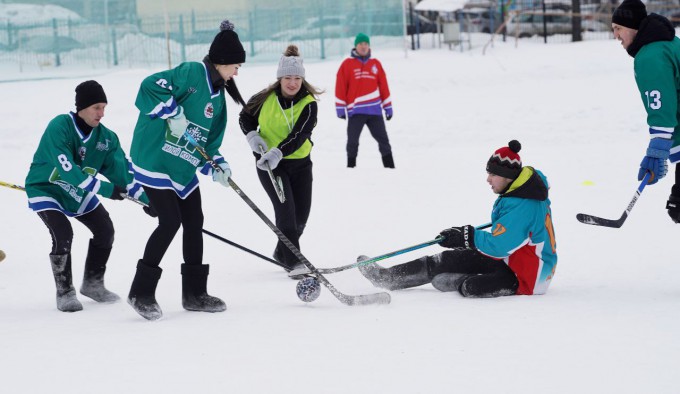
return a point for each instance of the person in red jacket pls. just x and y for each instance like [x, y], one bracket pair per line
[361, 94]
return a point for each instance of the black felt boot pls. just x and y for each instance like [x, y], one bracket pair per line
[449, 281]
[351, 162]
[411, 274]
[194, 290]
[388, 161]
[63, 278]
[142, 295]
[93, 279]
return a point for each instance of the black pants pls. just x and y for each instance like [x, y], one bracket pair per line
[292, 215]
[376, 125]
[97, 221]
[490, 277]
[174, 212]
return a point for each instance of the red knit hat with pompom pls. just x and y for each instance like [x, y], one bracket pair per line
[505, 161]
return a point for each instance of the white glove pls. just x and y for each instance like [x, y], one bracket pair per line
[222, 176]
[273, 157]
[255, 141]
[178, 123]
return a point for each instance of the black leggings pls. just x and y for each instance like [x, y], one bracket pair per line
[292, 215]
[489, 277]
[97, 221]
[174, 212]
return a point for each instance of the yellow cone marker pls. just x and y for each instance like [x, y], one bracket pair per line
[588, 183]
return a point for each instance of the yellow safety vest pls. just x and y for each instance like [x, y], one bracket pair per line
[277, 122]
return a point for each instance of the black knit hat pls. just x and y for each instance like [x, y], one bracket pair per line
[505, 161]
[226, 48]
[630, 14]
[89, 93]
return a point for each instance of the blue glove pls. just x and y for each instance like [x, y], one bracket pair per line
[273, 157]
[178, 123]
[655, 160]
[222, 176]
[255, 141]
[340, 112]
[388, 113]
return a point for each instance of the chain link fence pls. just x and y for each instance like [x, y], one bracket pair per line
[107, 33]
[57, 36]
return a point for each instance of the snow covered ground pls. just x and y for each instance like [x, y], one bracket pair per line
[609, 322]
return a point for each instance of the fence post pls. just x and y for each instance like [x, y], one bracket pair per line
[57, 58]
[576, 21]
[182, 39]
[321, 34]
[114, 46]
[251, 29]
[9, 34]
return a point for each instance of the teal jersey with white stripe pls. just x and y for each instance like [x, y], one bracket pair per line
[63, 174]
[160, 160]
[522, 232]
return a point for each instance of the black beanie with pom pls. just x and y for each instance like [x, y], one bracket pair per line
[226, 48]
[505, 161]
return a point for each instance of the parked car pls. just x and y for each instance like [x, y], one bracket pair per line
[312, 28]
[478, 20]
[557, 22]
[390, 23]
[421, 24]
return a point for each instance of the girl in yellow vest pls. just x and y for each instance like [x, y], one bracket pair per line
[280, 120]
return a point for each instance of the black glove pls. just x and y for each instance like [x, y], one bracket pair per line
[458, 237]
[119, 193]
[150, 211]
[673, 207]
[388, 117]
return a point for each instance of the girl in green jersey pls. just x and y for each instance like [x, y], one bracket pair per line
[186, 99]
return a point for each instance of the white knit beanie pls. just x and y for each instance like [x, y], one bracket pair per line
[290, 65]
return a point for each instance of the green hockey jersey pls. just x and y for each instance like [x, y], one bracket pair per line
[160, 160]
[63, 174]
[656, 50]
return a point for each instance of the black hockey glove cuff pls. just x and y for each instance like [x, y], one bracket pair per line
[119, 193]
[458, 237]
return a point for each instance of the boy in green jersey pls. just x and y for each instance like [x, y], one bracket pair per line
[651, 41]
[62, 183]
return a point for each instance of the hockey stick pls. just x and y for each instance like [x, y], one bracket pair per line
[276, 181]
[12, 186]
[597, 221]
[234, 244]
[303, 271]
[364, 299]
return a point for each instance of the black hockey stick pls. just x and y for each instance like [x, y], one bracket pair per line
[234, 244]
[364, 299]
[303, 271]
[597, 221]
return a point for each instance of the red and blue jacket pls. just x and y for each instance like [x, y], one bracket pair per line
[522, 233]
[361, 87]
